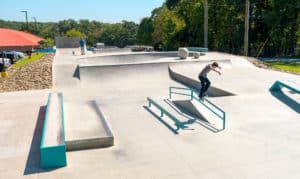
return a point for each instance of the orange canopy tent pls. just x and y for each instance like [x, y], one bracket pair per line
[17, 40]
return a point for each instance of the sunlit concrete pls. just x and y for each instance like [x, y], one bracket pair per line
[261, 139]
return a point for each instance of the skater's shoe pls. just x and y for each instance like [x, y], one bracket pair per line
[201, 98]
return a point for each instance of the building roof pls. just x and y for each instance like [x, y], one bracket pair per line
[14, 38]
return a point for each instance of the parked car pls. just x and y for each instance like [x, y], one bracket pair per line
[141, 48]
[12, 55]
[4, 63]
[20, 55]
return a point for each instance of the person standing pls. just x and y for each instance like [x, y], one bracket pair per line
[82, 45]
[205, 83]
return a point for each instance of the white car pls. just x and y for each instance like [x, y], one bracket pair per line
[6, 62]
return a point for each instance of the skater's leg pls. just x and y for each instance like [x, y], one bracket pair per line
[207, 85]
[202, 87]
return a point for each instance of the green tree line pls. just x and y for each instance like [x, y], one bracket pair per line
[274, 26]
[117, 34]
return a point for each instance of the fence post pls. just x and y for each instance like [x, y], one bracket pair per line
[161, 114]
[224, 120]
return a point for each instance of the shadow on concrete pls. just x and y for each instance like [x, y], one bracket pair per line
[175, 131]
[76, 73]
[33, 164]
[184, 112]
[287, 100]
[178, 125]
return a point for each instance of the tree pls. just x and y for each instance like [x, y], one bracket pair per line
[171, 4]
[120, 34]
[124, 33]
[66, 25]
[74, 33]
[145, 30]
[167, 25]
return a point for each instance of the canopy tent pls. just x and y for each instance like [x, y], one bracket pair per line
[17, 40]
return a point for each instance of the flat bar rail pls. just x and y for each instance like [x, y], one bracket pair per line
[164, 112]
[211, 107]
[183, 91]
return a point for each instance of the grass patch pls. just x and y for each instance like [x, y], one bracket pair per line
[286, 66]
[25, 61]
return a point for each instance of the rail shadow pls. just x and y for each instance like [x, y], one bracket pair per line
[286, 100]
[183, 125]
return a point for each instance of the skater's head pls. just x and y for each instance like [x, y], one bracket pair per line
[215, 65]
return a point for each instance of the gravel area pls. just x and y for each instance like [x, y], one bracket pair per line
[35, 75]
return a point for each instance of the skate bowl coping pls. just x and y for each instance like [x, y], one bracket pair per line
[53, 147]
[147, 56]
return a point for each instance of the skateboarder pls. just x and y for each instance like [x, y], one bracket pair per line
[205, 83]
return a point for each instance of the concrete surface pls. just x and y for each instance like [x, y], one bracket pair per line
[261, 139]
[86, 127]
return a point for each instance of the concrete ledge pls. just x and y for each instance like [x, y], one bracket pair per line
[87, 127]
[53, 147]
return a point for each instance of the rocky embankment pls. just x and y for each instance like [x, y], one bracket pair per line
[35, 75]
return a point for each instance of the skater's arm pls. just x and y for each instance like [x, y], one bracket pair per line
[217, 70]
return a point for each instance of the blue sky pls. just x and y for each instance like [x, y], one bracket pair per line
[101, 10]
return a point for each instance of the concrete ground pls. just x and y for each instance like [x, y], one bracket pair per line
[261, 139]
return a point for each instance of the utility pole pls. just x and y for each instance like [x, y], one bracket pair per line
[26, 19]
[205, 23]
[246, 33]
[34, 18]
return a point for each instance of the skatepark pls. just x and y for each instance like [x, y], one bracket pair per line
[110, 129]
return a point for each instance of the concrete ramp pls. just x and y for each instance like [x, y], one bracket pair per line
[183, 117]
[189, 107]
[201, 112]
[186, 80]
[126, 74]
[86, 126]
